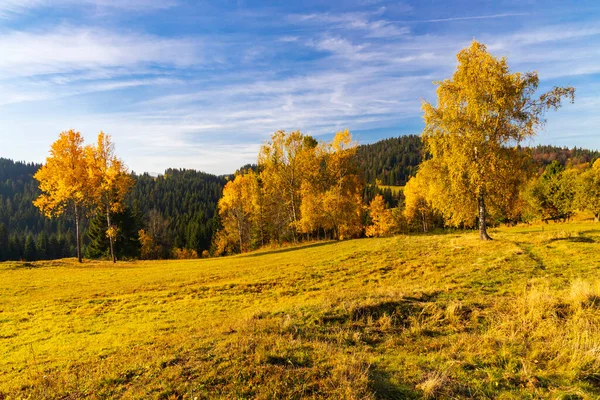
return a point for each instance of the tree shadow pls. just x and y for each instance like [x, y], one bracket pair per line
[289, 249]
[592, 231]
[24, 265]
[528, 250]
[380, 382]
[576, 239]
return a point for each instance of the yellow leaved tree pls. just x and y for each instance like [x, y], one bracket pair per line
[381, 217]
[342, 200]
[285, 162]
[589, 190]
[238, 212]
[109, 183]
[483, 112]
[63, 181]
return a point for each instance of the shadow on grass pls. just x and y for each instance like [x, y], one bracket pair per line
[289, 249]
[24, 265]
[592, 231]
[384, 388]
[528, 250]
[577, 239]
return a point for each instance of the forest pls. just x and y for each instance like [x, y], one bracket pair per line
[186, 202]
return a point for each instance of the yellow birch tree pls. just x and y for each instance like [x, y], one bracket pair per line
[284, 163]
[381, 217]
[483, 112]
[342, 201]
[238, 211]
[109, 183]
[64, 182]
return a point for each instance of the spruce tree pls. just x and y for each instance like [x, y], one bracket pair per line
[126, 242]
[3, 243]
[42, 246]
[29, 251]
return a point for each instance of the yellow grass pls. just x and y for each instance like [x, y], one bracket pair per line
[395, 189]
[426, 316]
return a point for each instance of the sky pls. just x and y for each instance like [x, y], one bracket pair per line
[194, 84]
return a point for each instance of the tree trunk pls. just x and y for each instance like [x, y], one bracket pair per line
[110, 237]
[483, 235]
[77, 236]
[596, 217]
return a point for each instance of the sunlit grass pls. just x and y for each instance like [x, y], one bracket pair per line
[436, 316]
[395, 189]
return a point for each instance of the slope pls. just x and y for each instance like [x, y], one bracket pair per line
[400, 317]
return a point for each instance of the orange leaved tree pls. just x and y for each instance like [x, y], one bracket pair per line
[64, 181]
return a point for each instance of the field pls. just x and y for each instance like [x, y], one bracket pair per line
[395, 189]
[425, 316]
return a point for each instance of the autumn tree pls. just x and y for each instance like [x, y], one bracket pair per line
[64, 182]
[238, 212]
[284, 163]
[417, 208]
[553, 194]
[483, 112]
[342, 200]
[381, 218]
[588, 196]
[109, 183]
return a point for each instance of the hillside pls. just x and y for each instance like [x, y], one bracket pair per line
[402, 317]
[391, 161]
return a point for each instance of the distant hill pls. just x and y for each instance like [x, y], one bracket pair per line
[391, 161]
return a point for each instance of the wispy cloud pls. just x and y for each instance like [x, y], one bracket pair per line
[369, 23]
[12, 8]
[492, 16]
[72, 49]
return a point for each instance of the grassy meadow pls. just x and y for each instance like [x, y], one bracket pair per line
[424, 316]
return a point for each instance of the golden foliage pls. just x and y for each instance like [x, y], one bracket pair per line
[482, 113]
[109, 182]
[302, 187]
[108, 176]
[149, 250]
[185, 254]
[63, 178]
[589, 190]
[381, 217]
[238, 211]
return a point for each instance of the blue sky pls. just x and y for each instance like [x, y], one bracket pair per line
[192, 84]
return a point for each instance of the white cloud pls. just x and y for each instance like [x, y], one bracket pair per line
[12, 8]
[359, 21]
[492, 16]
[73, 49]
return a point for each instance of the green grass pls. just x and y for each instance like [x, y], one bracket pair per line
[435, 316]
